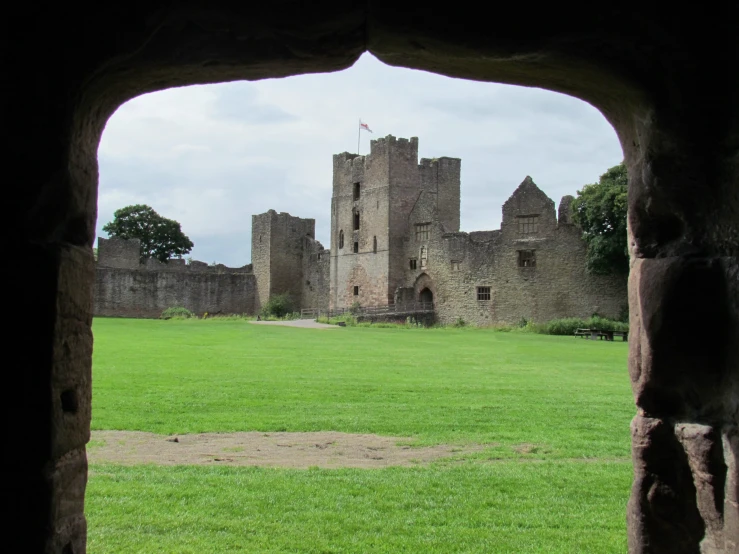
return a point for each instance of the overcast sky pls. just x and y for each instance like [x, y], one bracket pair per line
[211, 156]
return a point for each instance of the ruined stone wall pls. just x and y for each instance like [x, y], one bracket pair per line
[441, 176]
[557, 286]
[278, 248]
[127, 289]
[316, 266]
[261, 242]
[145, 293]
[115, 252]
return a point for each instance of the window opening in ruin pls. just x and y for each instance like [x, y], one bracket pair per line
[483, 293]
[528, 224]
[424, 257]
[422, 231]
[356, 290]
[526, 258]
[455, 266]
[356, 248]
[319, 255]
[356, 191]
[413, 263]
[341, 239]
[374, 245]
[356, 221]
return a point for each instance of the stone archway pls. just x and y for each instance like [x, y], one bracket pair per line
[74, 64]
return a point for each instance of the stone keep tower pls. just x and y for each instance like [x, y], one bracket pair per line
[373, 197]
[277, 250]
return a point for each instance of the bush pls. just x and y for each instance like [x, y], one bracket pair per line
[460, 322]
[176, 312]
[565, 326]
[279, 305]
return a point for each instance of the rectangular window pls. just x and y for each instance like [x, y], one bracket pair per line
[413, 263]
[356, 221]
[356, 248]
[528, 224]
[423, 230]
[526, 258]
[455, 266]
[483, 293]
[356, 290]
[356, 191]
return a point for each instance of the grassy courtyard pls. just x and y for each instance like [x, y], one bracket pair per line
[549, 417]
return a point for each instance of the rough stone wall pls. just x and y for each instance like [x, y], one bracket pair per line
[146, 293]
[121, 253]
[391, 181]
[316, 266]
[680, 145]
[125, 289]
[278, 249]
[367, 268]
[558, 285]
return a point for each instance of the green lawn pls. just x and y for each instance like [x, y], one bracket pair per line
[568, 397]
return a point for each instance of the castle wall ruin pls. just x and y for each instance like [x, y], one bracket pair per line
[124, 287]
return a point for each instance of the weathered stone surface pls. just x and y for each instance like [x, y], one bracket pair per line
[665, 77]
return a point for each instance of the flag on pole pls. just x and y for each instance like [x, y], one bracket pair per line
[364, 126]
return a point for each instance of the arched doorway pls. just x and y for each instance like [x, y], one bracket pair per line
[170, 47]
[426, 295]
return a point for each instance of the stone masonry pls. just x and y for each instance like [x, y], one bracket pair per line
[394, 238]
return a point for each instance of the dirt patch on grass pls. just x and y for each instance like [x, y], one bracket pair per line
[295, 450]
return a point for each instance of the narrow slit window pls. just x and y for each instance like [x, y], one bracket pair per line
[356, 191]
[483, 293]
[356, 221]
[341, 239]
[356, 248]
[374, 245]
[356, 290]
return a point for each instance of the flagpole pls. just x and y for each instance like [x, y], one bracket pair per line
[359, 133]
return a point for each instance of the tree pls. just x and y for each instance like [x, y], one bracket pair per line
[161, 238]
[600, 210]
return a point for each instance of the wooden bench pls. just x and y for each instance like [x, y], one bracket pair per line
[596, 334]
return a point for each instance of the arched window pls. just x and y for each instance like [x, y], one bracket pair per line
[341, 239]
[374, 245]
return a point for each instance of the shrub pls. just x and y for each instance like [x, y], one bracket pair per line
[177, 312]
[279, 305]
[354, 308]
[565, 326]
[460, 322]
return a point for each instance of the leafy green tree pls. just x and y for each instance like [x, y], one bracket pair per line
[600, 210]
[161, 238]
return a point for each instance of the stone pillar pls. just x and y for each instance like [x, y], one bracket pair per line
[684, 338]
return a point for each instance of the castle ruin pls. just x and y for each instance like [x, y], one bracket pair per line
[395, 238]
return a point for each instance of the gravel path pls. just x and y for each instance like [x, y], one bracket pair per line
[304, 323]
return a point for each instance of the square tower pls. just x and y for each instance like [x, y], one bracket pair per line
[373, 197]
[277, 250]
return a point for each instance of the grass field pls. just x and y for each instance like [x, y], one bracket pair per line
[567, 400]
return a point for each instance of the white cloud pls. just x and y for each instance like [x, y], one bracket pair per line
[211, 156]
